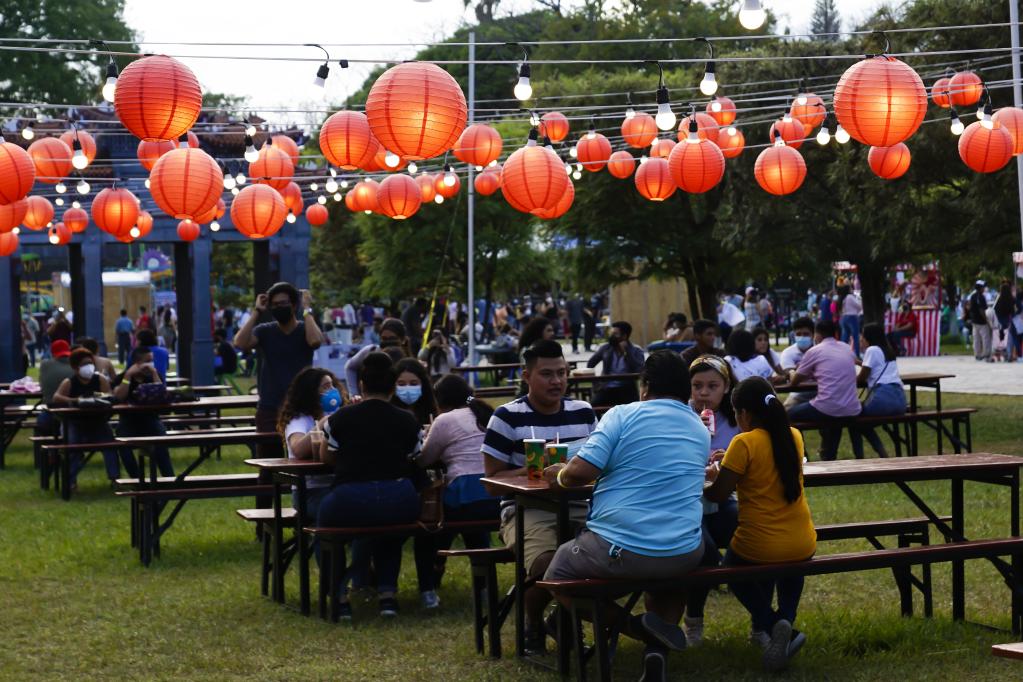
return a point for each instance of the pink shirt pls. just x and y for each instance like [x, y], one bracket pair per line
[832, 365]
[455, 440]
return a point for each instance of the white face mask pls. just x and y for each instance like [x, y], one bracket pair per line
[86, 371]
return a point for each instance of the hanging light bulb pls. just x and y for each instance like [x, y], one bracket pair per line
[752, 16]
[344, 183]
[78, 159]
[492, 163]
[58, 201]
[83, 187]
[568, 168]
[337, 197]
[147, 183]
[573, 151]
[665, 118]
[985, 117]
[534, 118]
[333, 173]
[214, 226]
[321, 199]
[16, 231]
[579, 168]
[479, 168]
[523, 89]
[320, 80]
[54, 238]
[234, 191]
[412, 167]
[135, 232]
[250, 130]
[110, 86]
[314, 186]
[438, 199]
[576, 175]
[449, 176]
[957, 126]
[592, 132]
[60, 187]
[391, 160]
[629, 111]
[330, 185]
[240, 179]
[229, 181]
[76, 204]
[27, 132]
[709, 84]
[823, 136]
[290, 217]
[841, 136]
[251, 155]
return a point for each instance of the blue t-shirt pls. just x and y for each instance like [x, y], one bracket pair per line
[652, 456]
[161, 360]
[123, 326]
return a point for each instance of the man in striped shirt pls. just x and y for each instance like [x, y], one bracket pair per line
[543, 412]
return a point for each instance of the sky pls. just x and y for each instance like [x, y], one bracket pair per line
[289, 85]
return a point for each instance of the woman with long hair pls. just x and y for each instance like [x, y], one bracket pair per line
[743, 356]
[849, 309]
[885, 393]
[764, 465]
[538, 328]
[413, 390]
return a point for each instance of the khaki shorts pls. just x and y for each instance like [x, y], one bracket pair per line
[541, 531]
[591, 556]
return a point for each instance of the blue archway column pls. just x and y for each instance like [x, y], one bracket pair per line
[85, 265]
[10, 327]
[192, 284]
[293, 254]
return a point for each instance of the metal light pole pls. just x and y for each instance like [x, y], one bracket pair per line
[1017, 93]
[470, 269]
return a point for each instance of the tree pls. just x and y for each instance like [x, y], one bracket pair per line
[825, 20]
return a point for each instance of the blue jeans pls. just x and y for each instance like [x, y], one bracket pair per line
[140, 425]
[99, 432]
[373, 503]
[885, 399]
[758, 595]
[430, 567]
[830, 436]
[851, 330]
[718, 529]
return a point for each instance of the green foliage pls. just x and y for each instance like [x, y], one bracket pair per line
[825, 19]
[231, 274]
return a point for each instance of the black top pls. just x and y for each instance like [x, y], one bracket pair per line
[374, 441]
[86, 390]
[282, 357]
[228, 356]
[978, 308]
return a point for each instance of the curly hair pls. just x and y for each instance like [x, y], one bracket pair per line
[303, 396]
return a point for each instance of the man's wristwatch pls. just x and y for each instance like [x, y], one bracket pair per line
[307, 311]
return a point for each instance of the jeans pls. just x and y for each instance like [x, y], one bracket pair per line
[31, 348]
[123, 347]
[851, 330]
[373, 503]
[266, 421]
[142, 424]
[99, 432]
[895, 339]
[758, 596]
[884, 399]
[313, 498]
[831, 436]
[574, 328]
[429, 566]
[718, 529]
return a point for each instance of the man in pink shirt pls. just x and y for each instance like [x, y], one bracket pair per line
[832, 365]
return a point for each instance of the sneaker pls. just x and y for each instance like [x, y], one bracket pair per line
[389, 607]
[667, 634]
[344, 611]
[796, 643]
[536, 642]
[655, 666]
[759, 638]
[429, 599]
[776, 653]
[693, 628]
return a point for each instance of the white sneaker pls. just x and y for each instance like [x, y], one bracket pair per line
[429, 599]
[693, 628]
[759, 638]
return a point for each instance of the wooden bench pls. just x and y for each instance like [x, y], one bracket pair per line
[489, 612]
[332, 541]
[585, 595]
[1008, 650]
[960, 435]
[264, 518]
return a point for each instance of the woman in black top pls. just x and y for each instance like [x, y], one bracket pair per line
[373, 446]
[142, 371]
[87, 383]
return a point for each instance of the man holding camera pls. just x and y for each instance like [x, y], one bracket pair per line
[617, 356]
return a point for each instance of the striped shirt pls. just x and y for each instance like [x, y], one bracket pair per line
[514, 422]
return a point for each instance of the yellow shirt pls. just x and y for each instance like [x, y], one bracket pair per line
[771, 529]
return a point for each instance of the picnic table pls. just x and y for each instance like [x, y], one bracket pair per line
[913, 380]
[11, 420]
[995, 469]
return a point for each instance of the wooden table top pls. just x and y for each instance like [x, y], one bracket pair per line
[219, 402]
[11, 396]
[310, 466]
[226, 437]
[1008, 650]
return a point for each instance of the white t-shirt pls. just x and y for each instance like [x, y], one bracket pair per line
[303, 424]
[775, 358]
[757, 366]
[873, 358]
[730, 314]
[790, 357]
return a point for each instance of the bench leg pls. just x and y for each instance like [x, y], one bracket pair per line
[325, 560]
[146, 533]
[903, 577]
[958, 566]
[264, 574]
[580, 648]
[478, 620]
[600, 643]
[928, 585]
[494, 618]
[134, 513]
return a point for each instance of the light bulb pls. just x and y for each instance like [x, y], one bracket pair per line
[251, 155]
[135, 232]
[412, 167]
[250, 130]
[391, 160]
[579, 167]
[534, 118]
[16, 231]
[630, 113]
[76, 204]
[523, 89]
[338, 197]
[957, 127]
[573, 151]
[54, 237]
[60, 187]
[321, 75]
[823, 136]
[82, 187]
[576, 175]
[110, 89]
[715, 106]
[980, 111]
[449, 177]
[240, 179]
[568, 168]
[229, 181]
[786, 117]
[58, 201]
[321, 199]
[479, 168]
[79, 160]
[147, 183]
[344, 184]
[987, 123]
[752, 15]
[330, 185]
[665, 117]
[492, 163]
[709, 84]
[28, 133]
[234, 191]
[438, 199]
[801, 100]
[368, 212]
[314, 186]
[291, 218]
[214, 226]
[592, 133]
[841, 135]
[333, 173]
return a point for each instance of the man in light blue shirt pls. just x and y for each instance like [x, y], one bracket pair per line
[648, 460]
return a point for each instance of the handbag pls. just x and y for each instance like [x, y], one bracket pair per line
[431, 503]
[150, 394]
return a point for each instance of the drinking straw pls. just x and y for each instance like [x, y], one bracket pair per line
[532, 432]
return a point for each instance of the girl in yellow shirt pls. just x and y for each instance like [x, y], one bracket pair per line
[764, 465]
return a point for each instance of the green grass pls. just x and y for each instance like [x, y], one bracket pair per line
[77, 603]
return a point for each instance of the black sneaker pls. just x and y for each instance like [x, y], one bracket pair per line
[776, 654]
[796, 643]
[667, 634]
[388, 607]
[536, 642]
[655, 666]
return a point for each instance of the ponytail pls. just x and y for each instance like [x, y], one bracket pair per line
[756, 396]
[453, 392]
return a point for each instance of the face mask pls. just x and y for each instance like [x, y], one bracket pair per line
[86, 371]
[330, 401]
[389, 343]
[409, 394]
[282, 313]
[804, 342]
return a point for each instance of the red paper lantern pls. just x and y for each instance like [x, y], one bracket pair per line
[273, 167]
[940, 94]
[621, 164]
[593, 151]
[379, 162]
[880, 101]
[186, 183]
[157, 98]
[654, 181]
[207, 217]
[426, 187]
[365, 193]
[115, 211]
[52, 159]
[554, 125]
[59, 234]
[1011, 119]
[316, 214]
[292, 195]
[346, 140]
[722, 110]
[696, 166]
[443, 188]
[809, 110]
[86, 140]
[985, 149]
[707, 128]
[350, 201]
[286, 145]
[399, 197]
[533, 179]
[144, 223]
[188, 230]
[150, 152]
[416, 110]
[12, 214]
[258, 211]
[191, 140]
[731, 141]
[38, 212]
[780, 169]
[790, 130]
[889, 163]
[478, 145]
[965, 88]
[8, 243]
[639, 131]
[661, 148]
[488, 182]
[561, 208]
[76, 219]
[17, 173]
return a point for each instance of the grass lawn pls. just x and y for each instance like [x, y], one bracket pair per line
[77, 604]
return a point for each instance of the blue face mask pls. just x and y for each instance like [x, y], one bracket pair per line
[330, 401]
[804, 342]
[409, 394]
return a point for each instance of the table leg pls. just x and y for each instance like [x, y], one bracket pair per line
[958, 566]
[1017, 559]
[520, 580]
[565, 624]
[303, 558]
[277, 589]
[937, 406]
[912, 397]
